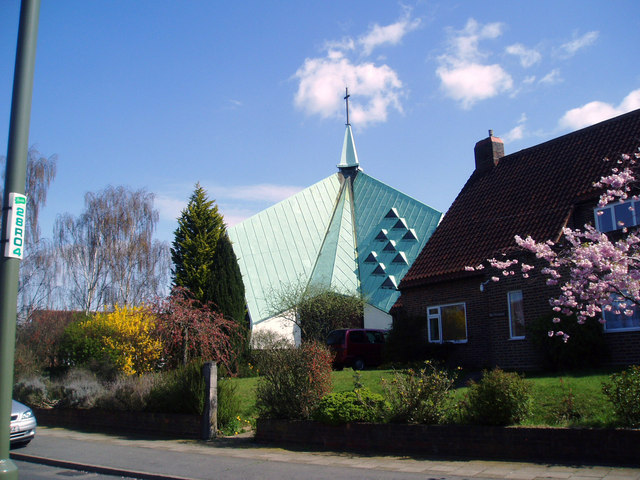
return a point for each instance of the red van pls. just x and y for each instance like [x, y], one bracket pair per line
[357, 347]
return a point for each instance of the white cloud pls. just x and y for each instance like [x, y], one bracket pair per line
[375, 89]
[517, 132]
[389, 34]
[239, 201]
[594, 112]
[463, 75]
[528, 56]
[570, 48]
[551, 78]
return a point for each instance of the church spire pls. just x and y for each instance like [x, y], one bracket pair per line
[349, 157]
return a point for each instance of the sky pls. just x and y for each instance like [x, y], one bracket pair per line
[246, 97]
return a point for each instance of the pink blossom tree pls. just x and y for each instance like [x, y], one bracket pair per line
[596, 272]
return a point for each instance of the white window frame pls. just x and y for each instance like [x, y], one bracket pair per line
[635, 214]
[511, 317]
[434, 313]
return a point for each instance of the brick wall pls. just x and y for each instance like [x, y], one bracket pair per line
[585, 446]
[488, 336]
[141, 423]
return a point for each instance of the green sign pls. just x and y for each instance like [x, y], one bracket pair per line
[16, 224]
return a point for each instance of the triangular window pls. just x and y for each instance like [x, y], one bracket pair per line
[390, 247]
[372, 258]
[393, 213]
[382, 236]
[379, 270]
[410, 235]
[390, 283]
[400, 258]
[401, 224]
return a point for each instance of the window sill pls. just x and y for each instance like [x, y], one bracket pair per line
[623, 330]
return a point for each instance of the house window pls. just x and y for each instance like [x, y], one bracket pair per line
[616, 320]
[516, 314]
[447, 323]
[617, 215]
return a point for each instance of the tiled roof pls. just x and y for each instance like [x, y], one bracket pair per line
[530, 192]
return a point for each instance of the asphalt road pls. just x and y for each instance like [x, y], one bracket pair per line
[74, 454]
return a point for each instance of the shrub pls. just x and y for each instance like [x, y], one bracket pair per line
[360, 405]
[228, 406]
[623, 390]
[32, 392]
[420, 396]
[586, 346]
[125, 337]
[128, 393]
[179, 391]
[500, 398]
[293, 381]
[78, 389]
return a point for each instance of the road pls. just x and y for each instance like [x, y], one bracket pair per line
[243, 459]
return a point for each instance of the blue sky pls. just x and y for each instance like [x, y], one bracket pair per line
[246, 97]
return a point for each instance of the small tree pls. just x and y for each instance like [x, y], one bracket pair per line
[192, 330]
[199, 227]
[316, 310]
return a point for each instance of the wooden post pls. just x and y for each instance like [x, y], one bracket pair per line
[210, 414]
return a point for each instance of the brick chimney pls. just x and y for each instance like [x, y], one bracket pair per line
[488, 152]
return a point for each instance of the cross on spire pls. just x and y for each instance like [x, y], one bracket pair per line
[346, 98]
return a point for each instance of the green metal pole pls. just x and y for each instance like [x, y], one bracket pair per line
[15, 183]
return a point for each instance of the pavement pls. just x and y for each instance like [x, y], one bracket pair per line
[87, 452]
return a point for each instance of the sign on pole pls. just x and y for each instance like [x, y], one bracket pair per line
[16, 224]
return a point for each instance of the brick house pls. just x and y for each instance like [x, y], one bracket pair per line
[537, 192]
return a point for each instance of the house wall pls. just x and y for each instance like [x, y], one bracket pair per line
[488, 335]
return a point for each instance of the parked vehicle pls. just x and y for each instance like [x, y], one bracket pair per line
[23, 424]
[357, 347]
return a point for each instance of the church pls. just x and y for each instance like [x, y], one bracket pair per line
[349, 232]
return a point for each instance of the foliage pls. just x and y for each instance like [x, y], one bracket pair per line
[38, 341]
[229, 420]
[192, 330]
[293, 381]
[125, 337]
[316, 309]
[199, 227]
[128, 393]
[31, 391]
[420, 396]
[596, 272]
[587, 347]
[179, 391]
[78, 389]
[359, 405]
[35, 290]
[500, 398]
[623, 390]
[108, 253]
[226, 289]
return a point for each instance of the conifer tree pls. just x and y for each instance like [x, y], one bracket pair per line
[199, 227]
[226, 289]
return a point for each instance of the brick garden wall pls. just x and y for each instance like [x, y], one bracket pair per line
[584, 446]
[139, 423]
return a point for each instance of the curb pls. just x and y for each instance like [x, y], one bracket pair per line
[84, 467]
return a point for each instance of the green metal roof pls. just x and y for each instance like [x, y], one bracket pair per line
[349, 231]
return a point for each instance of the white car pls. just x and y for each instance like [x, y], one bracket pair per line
[23, 424]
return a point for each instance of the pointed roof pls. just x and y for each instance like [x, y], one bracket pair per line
[530, 192]
[349, 157]
[330, 234]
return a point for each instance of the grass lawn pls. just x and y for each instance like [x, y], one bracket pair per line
[570, 399]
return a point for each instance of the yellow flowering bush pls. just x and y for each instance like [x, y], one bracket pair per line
[125, 337]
